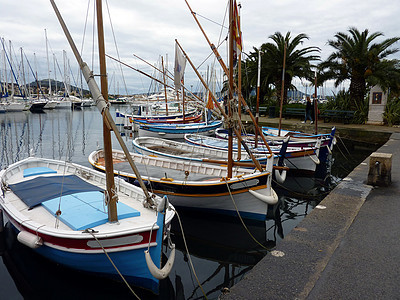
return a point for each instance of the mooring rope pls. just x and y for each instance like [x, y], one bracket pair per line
[89, 230]
[344, 145]
[240, 218]
[189, 257]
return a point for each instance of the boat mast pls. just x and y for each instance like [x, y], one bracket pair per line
[258, 97]
[23, 75]
[315, 105]
[108, 161]
[239, 90]
[222, 111]
[230, 92]
[48, 63]
[55, 75]
[165, 88]
[225, 69]
[102, 105]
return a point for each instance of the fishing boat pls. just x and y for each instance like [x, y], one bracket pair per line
[58, 209]
[298, 159]
[81, 218]
[158, 111]
[191, 117]
[198, 185]
[185, 151]
[297, 139]
[176, 131]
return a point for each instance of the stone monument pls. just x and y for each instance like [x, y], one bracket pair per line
[377, 104]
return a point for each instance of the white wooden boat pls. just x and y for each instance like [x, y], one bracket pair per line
[58, 209]
[297, 139]
[184, 151]
[176, 131]
[197, 185]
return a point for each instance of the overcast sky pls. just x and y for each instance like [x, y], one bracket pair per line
[148, 28]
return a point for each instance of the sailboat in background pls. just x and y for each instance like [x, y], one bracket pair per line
[177, 131]
[81, 218]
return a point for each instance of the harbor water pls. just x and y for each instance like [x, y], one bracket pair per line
[222, 250]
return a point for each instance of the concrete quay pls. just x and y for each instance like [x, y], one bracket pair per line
[346, 248]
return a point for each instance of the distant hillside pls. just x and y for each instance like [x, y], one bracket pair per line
[57, 85]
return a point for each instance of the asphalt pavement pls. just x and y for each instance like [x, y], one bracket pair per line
[348, 247]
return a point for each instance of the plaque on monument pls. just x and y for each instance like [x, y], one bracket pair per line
[377, 103]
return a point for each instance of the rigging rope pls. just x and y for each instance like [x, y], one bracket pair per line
[189, 257]
[240, 217]
[91, 231]
[116, 47]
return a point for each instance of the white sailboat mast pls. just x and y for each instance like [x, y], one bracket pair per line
[48, 63]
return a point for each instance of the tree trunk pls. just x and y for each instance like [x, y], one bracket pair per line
[357, 92]
[278, 87]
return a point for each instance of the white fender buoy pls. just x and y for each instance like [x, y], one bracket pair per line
[28, 239]
[164, 272]
[316, 161]
[271, 199]
[163, 204]
[280, 177]
[329, 149]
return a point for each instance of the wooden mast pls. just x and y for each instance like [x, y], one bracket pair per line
[230, 92]
[258, 97]
[315, 105]
[101, 104]
[108, 162]
[225, 69]
[165, 87]
[239, 90]
[222, 111]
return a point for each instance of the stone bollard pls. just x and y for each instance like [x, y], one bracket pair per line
[380, 169]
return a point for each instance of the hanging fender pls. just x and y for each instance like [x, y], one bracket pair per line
[316, 161]
[29, 239]
[329, 149]
[154, 270]
[272, 199]
[280, 177]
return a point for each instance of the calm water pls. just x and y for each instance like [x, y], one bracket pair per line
[220, 248]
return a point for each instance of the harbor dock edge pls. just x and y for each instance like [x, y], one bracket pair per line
[348, 247]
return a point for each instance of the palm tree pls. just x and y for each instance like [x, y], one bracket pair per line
[359, 59]
[298, 62]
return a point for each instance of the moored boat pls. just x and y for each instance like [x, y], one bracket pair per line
[296, 159]
[58, 209]
[177, 131]
[199, 186]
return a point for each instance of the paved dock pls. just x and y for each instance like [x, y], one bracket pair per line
[348, 248]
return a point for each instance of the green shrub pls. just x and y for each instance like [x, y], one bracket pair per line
[391, 116]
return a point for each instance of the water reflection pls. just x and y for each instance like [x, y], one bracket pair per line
[59, 134]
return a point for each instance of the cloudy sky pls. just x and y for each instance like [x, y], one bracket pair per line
[148, 29]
